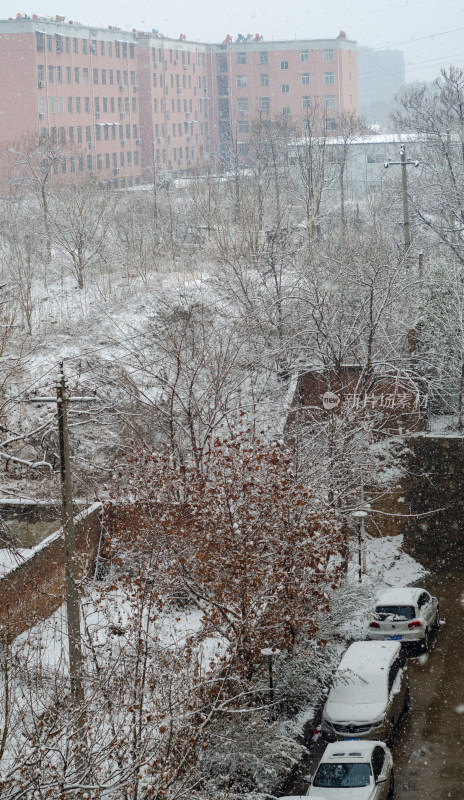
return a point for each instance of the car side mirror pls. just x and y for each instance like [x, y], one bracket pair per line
[307, 778]
[380, 780]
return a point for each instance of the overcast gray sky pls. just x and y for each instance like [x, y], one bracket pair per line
[430, 33]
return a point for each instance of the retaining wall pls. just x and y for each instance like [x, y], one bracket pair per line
[33, 588]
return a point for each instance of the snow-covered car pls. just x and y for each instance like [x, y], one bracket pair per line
[369, 693]
[347, 770]
[405, 615]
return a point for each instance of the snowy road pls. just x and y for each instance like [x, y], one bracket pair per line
[428, 754]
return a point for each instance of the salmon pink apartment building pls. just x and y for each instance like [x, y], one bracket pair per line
[121, 106]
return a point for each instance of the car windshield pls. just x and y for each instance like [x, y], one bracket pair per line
[337, 776]
[398, 612]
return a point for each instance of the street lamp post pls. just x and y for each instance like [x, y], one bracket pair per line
[270, 652]
[359, 516]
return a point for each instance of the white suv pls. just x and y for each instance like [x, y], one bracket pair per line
[405, 615]
[363, 770]
[369, 693]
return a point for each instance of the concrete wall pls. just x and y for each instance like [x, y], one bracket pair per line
[434, 489]
[35, 588]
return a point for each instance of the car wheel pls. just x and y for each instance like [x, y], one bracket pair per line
[391, 788]
[425, 641]
[436, 624]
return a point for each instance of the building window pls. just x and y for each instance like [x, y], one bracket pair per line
[95, 75]
[50, 74]
[88, 133]
[59, 75]
[75, 46]
[264, 80]
[40, 73]
[84, 46]
[134, 104]
[89, 163]
[111, 77]
[286, 111]
[305, 78]
[284, 65]
[93, 47]
[113, 132]
[329, 101]
[243, 149]
[106, 134]
[71, 134]
[49, 44]
[221, 62]
[304, 56]
[263, 58]
[136, 158]
[331, 124]
[76, 74]
[242, 105]
[223, 107]
[68, 74]
[42, 107]
[60, 105]
[78, 105]
[85, 76]
[80, 161]
[110, 49]
[70, 105]
[52, 105]
[285, 88]
[124, 49]
[86, 105]
[243, 126]
[66, 44]
[117, 49]
[241, 80]
[240, 58]
[96, 104]
[329, 77]
[62, 135]
[306, 101]
[99, 161]
[328, 55]
[132, 50]
[79, 134]
[105, 104]
[264, 103]
[40, 41]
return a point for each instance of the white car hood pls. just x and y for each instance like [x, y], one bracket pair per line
[359, 793]
[357, 713]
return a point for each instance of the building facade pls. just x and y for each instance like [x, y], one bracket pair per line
[122, 106]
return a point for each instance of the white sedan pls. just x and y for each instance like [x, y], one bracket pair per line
[355, 770]
[406, 615]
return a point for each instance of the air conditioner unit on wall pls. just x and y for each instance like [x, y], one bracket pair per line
[91, 146]
[41, 84]
[122, 87]
[116, 171]
[138, 141]
[123, 142]
[97, 115]
[41, 116]
[136, 88]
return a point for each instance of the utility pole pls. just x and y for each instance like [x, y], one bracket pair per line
[404, 162]
[71, 577]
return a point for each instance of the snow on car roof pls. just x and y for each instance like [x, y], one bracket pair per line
[368, 658]
[349, 750]
[401, 596]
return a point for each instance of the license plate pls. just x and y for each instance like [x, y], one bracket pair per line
[395, 638]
